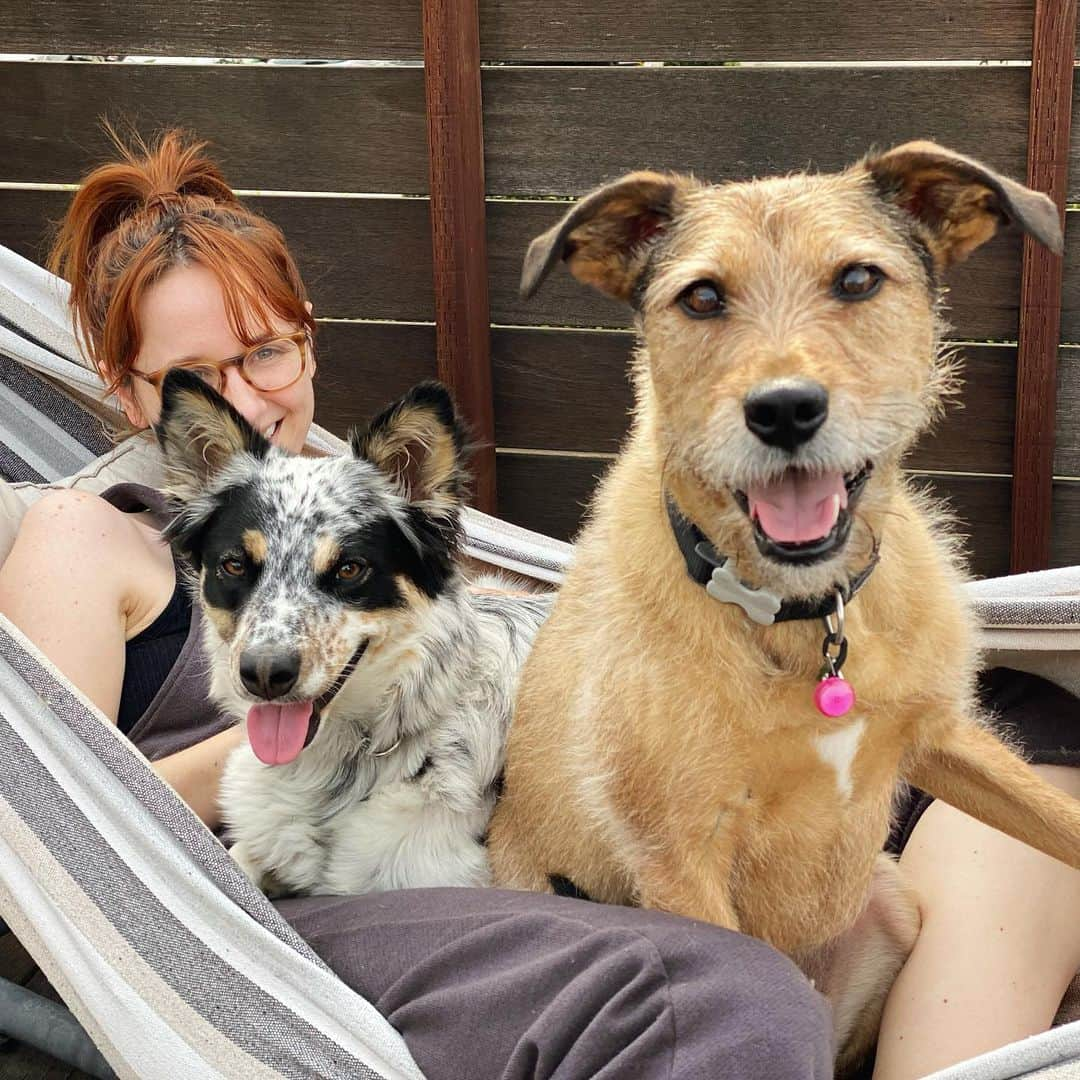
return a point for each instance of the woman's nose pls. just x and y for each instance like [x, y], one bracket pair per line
[241, 395]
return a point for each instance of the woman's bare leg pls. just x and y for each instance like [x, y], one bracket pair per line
[999, 944]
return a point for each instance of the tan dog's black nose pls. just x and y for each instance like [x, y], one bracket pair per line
[787, 415]
[269, 673]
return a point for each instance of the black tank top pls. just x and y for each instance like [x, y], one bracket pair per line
[165, 700]
[151, 655]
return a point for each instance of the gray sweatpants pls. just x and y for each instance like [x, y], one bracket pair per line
[498, 985]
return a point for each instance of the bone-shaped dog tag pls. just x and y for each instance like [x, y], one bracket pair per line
[759, 605]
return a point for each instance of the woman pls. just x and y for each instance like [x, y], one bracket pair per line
[168, 268]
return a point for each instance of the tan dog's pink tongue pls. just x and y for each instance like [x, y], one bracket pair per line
[277, 732]
[798, 508]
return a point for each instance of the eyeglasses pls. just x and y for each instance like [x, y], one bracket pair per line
[269, 366]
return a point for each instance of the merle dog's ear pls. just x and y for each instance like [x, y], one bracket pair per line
[419, 443]
[958, 201]
[199, 431]
[605, 239]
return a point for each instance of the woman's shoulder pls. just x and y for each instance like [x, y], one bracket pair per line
[63, 515]
[71, 527]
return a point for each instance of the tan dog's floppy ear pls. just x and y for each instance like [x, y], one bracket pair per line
[960, 201]
[199, 431]
[604, 238]
[419, 442]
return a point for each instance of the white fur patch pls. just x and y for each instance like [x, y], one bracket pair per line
[838, 749]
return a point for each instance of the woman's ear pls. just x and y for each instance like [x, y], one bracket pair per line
[125, 394]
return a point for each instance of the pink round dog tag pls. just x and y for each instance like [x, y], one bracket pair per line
[834, 696]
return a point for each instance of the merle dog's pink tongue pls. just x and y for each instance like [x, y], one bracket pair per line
[798, 508]
[277, 732]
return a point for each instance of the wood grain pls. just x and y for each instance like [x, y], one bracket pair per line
[535, 30]
[360, 258]
[548, 131]
[775, 30]
[459, 255]
[365, 366]
[563, 130]
[376, 29]
[371, 258]
[276, 128]
[1067, 426]
[1040, 288]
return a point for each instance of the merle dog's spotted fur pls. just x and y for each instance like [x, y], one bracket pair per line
[441, 662]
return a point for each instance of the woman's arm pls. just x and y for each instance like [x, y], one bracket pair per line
[83, 578]
[195, 773]
[999, 944]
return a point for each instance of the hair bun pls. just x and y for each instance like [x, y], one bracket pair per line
[175, 169]
[118, 204]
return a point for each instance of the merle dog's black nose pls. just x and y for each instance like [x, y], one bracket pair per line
[269, 673]
[788, 415]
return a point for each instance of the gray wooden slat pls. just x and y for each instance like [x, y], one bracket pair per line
[548, 493]
[364, 366]
[360, 258]
[547, 130]
[1067, 451]
[376, 29]
[535, 30]
[776, 30]
[278, 128]
[561, 131]
[366, 258]
[1070, 274]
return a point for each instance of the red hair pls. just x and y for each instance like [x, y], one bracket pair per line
[159, 207]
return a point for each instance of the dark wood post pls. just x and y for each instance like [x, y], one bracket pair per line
[456, 146]
[1040, 291]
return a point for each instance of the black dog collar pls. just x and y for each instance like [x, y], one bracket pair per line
[709, 568]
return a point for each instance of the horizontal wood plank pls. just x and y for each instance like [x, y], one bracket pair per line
[549, 493]
[1067, 451]
[371, 258]
[771, 30]
[561, 131]
[535, 30]
[376, 29]
[360, 258]
[276, 128]
[364, 366]
[1070, 275]
[548, 130]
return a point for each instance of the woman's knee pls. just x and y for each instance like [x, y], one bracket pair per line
[746, 1010]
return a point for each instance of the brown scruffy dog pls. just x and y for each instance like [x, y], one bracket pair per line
[683, 739]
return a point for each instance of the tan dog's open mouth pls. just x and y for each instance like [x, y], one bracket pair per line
[803, 517]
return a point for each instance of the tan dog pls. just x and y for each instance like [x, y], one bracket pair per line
[667, 748]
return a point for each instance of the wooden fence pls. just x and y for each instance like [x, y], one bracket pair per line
[574, 94]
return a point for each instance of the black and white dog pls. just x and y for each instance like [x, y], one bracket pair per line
[376, 684]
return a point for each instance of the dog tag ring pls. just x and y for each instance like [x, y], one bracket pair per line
[834, 695]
